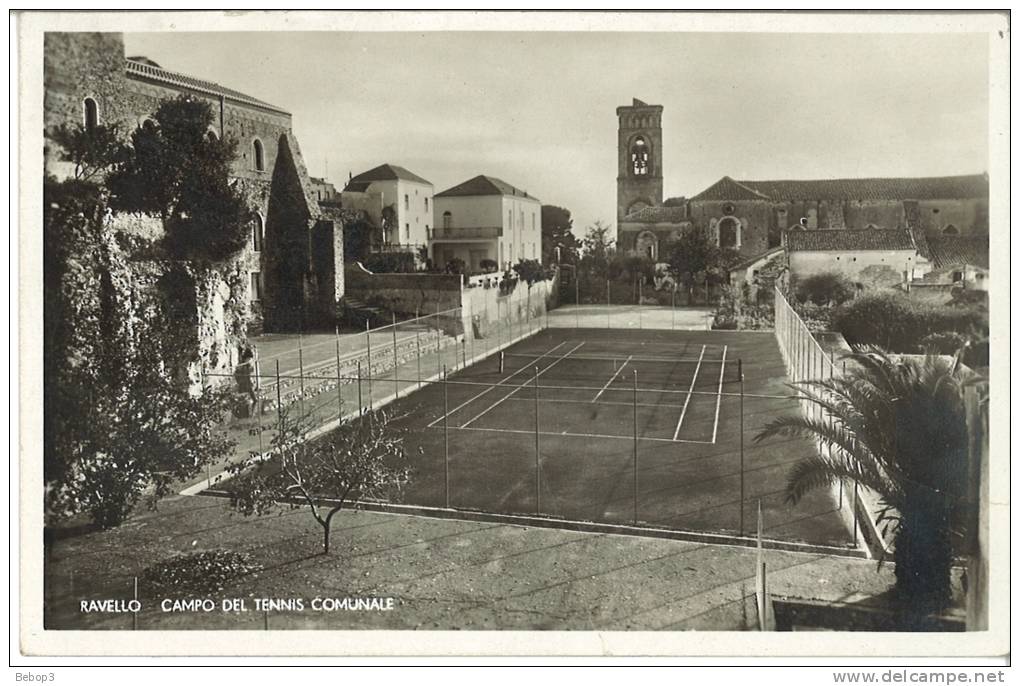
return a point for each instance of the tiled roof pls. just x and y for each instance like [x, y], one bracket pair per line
[849, 239]
[484, 185]
[386, 172]
[728, 189]
[948, 251]
[927, 188]
[655, 215]
[744, 264]
[150, 71]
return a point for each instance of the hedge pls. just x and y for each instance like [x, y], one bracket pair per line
[898, 324]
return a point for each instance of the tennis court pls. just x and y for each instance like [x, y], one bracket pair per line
[622, 427]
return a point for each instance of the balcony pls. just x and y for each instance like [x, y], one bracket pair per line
[465, 233]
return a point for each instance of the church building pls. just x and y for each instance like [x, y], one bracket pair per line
[752, 217]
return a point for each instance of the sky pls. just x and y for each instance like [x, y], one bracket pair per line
[538, 110]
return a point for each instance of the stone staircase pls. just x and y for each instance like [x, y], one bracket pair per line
[357, 312]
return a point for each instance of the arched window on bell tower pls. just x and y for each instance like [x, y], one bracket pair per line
[639, 157]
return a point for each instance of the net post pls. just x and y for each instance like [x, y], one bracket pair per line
[502, 357]
[446, 440]
[538, 454]
[740, 374]
[635, 448]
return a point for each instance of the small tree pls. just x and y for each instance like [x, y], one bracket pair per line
[92, 151]
[180, 173]
[362, 458]
[694, 258]
[825, 288]
[556, 233]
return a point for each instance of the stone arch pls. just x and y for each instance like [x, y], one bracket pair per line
[90, 113]
[646, 244]
[728, 232]
[258, 155]
[639, 155]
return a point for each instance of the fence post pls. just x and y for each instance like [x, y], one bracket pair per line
[279, 400]
[577, 300]
[361, 404]
[855, 514]
[301, 377]
[740, 373]
[339, 392]
[417, 349]
[672, 308]
[538, 454]
[446, 440]
[635, 451]
[609, 318]
[396, 381]
[368, 340]
[463, 353]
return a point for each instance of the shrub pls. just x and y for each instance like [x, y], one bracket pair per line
[488, 265]
[208, 571]
[456, 266]
[825, 288]
[390, 263]
[894, 322]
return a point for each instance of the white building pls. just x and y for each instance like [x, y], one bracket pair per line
[395, 198]
[872, 257]
[486, 218]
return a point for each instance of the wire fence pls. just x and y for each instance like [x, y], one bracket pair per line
[806, 360]
[327, 377]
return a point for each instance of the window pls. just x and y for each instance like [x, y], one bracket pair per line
[729, 233]
[957, 276]
[256, 286]
[407, 201]
[91, 114]
[979, 276]
[211, 136]
[148, 125]
[532, 221]
[639, 157]
[510, 219]
[426, 204]
[259, 155]
[256, 233]
[447, 219]
[407, 232]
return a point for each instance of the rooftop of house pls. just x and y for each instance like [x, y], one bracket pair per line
[485, 185]
[848, 240]
[384, 172]
[925, 188]
[949, 251]
[144, 68]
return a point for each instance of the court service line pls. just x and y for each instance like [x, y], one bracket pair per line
[718, 397]
[505, 397]
[531, 432]
[491, 388]
[612, 378]
[690, 391]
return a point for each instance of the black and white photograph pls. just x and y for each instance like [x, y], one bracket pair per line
[600, 333]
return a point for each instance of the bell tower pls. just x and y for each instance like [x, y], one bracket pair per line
[639, 158]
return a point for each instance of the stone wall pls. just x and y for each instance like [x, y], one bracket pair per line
[405, 294]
